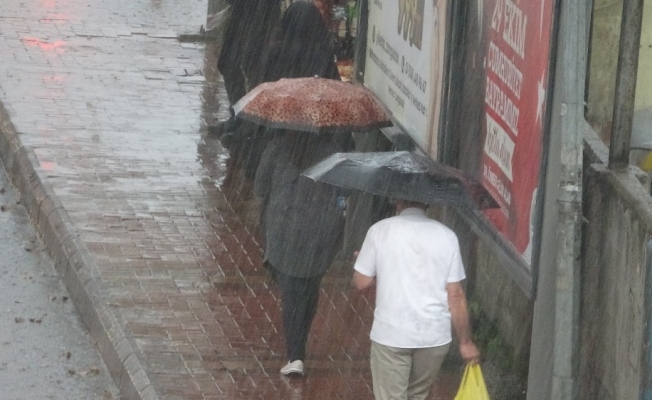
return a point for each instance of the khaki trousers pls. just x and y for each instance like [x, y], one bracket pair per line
[405, 374]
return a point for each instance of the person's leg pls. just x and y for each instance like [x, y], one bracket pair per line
[304, 298]
[289, 302]
[299, 298]
[228, 65]
[390, 371]
[311, 298]
[425, 367]
[230, 57]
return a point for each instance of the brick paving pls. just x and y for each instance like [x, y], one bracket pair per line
[115, 109]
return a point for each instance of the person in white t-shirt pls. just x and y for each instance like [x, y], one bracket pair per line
[415, 263]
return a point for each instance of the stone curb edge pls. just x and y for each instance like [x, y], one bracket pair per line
[73, 262]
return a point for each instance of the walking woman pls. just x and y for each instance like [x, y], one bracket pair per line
[303, 226]
[303, 49]
[302, 220]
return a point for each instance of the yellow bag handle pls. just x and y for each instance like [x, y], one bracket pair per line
[472, 386]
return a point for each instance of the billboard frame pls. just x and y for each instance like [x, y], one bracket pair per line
[523, 273]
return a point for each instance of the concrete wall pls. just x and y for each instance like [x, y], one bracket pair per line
[501, 299]
[618, 213]
[504, 302]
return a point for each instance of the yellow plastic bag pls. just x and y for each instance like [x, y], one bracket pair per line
[646, 164]
[472, 386]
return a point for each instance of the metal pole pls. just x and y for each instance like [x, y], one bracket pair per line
[567, 294]
[630, 40]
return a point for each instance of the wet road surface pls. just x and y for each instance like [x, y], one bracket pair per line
[45, 350]
[115, 109]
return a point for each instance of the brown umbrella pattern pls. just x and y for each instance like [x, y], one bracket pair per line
[314, 105]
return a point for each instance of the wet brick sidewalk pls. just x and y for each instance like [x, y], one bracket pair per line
[115, 109]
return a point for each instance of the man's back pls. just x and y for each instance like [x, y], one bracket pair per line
[413, 258]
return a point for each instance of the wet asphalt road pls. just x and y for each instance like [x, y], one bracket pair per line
[45, 351]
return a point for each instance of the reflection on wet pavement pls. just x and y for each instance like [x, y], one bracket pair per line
[115, 109]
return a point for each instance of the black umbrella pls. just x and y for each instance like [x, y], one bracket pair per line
[403, 175]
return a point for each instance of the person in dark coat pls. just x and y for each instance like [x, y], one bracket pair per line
[304, 47]
[303, 222]
[250, 28]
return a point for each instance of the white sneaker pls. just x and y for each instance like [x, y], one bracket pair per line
[294, 367]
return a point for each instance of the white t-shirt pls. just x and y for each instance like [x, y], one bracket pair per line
[413, 257]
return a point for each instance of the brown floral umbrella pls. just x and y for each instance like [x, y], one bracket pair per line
[314, 105]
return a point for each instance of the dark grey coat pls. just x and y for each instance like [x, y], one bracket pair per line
[303, 223]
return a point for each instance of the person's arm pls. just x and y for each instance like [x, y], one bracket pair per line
[460, 321]
[364, 269]
[362, 282]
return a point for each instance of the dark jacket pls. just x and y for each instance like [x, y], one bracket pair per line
[303, 49]
[302, 219]
[249, 31]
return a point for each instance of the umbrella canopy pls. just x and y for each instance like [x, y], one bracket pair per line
[402, 175]
[313, 105]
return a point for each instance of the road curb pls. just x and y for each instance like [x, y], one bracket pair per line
[73, 262]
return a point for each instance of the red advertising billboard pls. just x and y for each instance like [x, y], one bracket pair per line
[517, 67]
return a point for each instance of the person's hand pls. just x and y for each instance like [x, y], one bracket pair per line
[355, 255]
[470, 353]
